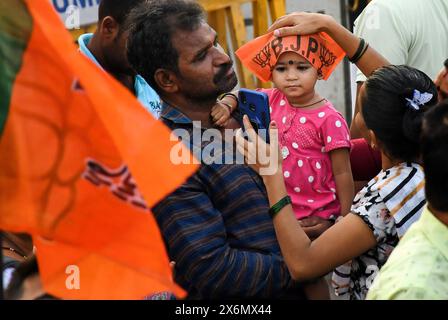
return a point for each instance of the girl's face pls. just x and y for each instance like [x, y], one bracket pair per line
[294, 75]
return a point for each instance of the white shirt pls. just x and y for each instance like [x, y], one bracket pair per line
[410, 32]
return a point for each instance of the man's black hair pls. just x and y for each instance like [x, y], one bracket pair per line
[117, 9]
[434, 144]
[151, 26]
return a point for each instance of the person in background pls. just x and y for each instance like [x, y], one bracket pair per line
[16, 248]
[408, 32]
[107, 48]
[25, 282]
[405, 32]
[418, 267]
[442, 82]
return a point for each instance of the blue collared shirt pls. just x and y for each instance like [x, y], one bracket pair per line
[143, 91]
[217, 229]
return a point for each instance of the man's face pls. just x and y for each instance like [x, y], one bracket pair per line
[442, 84]
[205, 70]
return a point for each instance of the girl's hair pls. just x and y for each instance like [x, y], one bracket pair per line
[390, 116]
[434, 155]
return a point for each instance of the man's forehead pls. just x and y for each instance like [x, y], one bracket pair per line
[196, 38]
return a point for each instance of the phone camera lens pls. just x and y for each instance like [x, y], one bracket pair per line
[243, 98]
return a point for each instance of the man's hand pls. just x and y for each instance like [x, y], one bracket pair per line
[314, 226]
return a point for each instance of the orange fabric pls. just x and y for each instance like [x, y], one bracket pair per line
[261, 54]
[73, 137]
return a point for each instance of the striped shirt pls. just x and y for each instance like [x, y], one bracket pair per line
[217, 229]
[389, 204]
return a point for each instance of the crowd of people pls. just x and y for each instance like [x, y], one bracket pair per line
[377, 231]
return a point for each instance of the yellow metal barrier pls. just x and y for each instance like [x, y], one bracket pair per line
[226, 16]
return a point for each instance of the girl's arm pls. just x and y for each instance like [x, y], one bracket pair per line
[222, 111]
[308, 23]
[345, 188]
[305, 259]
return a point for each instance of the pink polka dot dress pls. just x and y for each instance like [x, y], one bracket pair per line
[306, 136]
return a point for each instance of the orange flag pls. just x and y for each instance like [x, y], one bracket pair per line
[74, 146]
[261, 54]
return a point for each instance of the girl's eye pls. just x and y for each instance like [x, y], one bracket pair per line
[302, 68]
[280, 69]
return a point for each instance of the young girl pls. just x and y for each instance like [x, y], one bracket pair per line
[314, 137]
[393, 101]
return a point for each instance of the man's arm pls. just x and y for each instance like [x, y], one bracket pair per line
[197, 240]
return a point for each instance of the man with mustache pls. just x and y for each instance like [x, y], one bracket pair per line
[216, 226]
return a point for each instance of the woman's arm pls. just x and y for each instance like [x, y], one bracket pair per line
[348, 238]
[305, 259]
[345, 188]
[308, 23]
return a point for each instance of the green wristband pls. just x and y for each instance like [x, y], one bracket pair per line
[279, 206]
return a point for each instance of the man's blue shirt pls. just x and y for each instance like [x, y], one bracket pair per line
[143, 91]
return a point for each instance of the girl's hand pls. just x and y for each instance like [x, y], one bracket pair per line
[314, 226]
[220, 114]
[264, 158]
[300, 23]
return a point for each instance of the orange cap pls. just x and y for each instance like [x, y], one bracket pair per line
[261, 54]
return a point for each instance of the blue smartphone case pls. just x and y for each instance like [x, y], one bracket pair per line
[255, 105]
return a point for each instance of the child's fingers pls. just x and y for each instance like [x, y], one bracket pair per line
[312, 232]
[215, 112]
[221, 121]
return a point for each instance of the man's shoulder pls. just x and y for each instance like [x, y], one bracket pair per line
[412, 269]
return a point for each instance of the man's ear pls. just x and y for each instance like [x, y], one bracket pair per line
[166, 80]
[109, 28]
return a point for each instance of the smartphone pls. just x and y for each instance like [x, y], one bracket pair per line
[255, 105]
